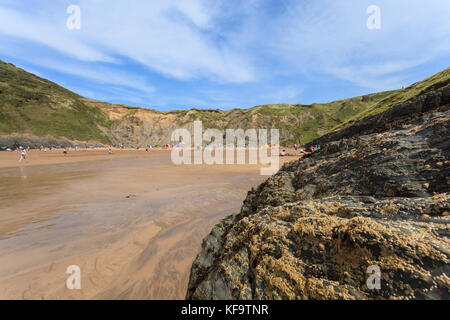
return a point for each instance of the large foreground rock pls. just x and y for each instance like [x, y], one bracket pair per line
[312, 230]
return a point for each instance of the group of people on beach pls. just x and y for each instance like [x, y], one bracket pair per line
[23, 152]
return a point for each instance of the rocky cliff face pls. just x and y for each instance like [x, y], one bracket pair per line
[312, 230]
[297, 123]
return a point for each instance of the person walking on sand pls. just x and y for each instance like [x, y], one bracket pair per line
[65, 152]
[23, 155]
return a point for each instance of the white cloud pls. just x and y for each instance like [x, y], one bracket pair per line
[171, 37]
[331, 37]
[237, 42]
[25, 25]
[167, 37]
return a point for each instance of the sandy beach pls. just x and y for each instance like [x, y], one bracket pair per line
[132, 221]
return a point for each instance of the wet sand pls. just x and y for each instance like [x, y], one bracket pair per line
[133, 222]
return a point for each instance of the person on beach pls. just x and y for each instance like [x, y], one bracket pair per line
[23, 155]
[65, 152]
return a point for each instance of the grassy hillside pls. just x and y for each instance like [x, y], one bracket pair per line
[397, 97]
[38, 107]
[35, 106]
[297, 123]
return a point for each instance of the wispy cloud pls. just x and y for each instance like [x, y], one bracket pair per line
[331, 37]
[269, 49]
[100, 74]
[31, 26]
[289, 94]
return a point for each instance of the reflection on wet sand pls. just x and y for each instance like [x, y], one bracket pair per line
[133, 224]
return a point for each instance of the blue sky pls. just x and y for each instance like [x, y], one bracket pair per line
[178, 54]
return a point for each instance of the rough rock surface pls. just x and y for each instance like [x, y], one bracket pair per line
[312, 230]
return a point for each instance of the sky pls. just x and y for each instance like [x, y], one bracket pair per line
[181, 54]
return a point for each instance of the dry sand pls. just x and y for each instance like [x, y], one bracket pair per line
[133, 222]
